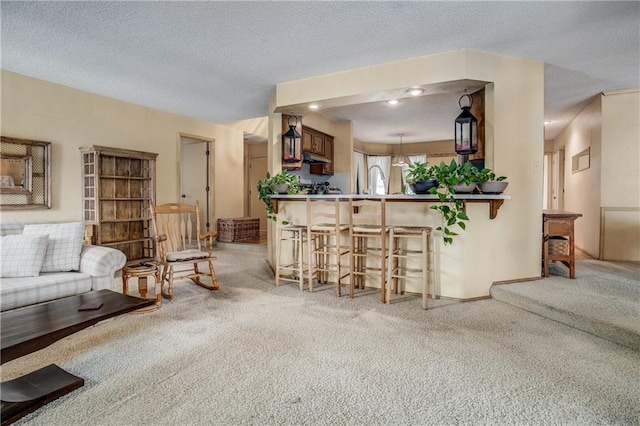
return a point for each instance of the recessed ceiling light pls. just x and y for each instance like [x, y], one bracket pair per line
[393, 102]
[314, 106]
[415, 91]
[547, 122]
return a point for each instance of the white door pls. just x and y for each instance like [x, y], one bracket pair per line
[195, 177]
[257, 171]
[557, 195]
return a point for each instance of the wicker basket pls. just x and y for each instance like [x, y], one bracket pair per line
[238, 229]
[558, 246]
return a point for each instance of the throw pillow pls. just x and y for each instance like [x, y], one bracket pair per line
[65, 244]
[22, 255]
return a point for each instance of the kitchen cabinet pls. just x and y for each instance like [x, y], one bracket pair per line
[326, 168]
[312, 141]
[118, 187]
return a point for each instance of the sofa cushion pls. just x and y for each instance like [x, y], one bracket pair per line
[22, 255]
[65, 244]
[18, 292]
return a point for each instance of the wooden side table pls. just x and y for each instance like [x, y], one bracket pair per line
[557, 227]
[142, 271]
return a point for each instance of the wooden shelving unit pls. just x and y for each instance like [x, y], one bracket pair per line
[118, 187]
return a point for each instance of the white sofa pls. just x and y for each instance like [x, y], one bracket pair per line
[64, 271]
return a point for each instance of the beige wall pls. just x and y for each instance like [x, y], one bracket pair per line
[621, 149]
[508, 247]
[70, 118]
[582, 189]
[256, 126]
[620, 184]
[608, 192]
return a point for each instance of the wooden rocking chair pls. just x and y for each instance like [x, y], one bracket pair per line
[179, 244]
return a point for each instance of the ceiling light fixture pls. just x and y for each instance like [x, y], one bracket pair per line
[415, 91]
[314, 106]
[547, 122]
[401, 160]
[393, 102]
[466, 129]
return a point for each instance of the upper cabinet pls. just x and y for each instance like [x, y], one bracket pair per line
[321, 144]
[313, 142]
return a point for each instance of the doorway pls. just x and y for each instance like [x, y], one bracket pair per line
[257, 171]
[195, 177]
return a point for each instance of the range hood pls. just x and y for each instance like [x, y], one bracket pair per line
[310, 157]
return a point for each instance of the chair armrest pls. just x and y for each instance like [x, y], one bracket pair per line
[99, 261]
[210, 234]
[210, 237]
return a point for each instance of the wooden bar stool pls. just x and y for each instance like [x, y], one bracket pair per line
[325, 249]
[400, 255]
[368, 240]
[296, 236]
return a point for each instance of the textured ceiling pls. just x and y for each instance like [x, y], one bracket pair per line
[220, 61]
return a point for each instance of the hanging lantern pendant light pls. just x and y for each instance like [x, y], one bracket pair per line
[291, 151]
[466, 129]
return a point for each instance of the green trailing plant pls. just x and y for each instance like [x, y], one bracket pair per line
[451, 209]
[266, 188]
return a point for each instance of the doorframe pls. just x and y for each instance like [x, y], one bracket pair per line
[210, 184]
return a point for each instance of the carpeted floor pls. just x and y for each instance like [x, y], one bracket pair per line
[253, 354]
[603, 299]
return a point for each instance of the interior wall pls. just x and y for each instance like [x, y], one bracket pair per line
[507, 247]
[257, 126]
[620, 184]
[582, 189]
[71, 118]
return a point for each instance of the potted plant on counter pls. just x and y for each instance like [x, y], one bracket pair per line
[421, 178]
[488, 183]
[465, 175]
[282, 183]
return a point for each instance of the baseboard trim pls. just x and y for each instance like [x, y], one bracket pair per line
[519, 280]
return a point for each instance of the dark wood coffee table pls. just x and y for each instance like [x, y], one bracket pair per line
[29, 329]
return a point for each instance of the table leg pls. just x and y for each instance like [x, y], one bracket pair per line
[125, 284]
[142, 287]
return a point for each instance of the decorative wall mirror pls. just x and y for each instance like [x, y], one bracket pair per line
[25, 174]
[581, 161]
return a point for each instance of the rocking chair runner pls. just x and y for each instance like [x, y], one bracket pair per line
[179, 244]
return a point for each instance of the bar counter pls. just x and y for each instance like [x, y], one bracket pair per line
[494, 200]
[480, 255]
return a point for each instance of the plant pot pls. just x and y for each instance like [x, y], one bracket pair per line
[463, 188]
[281, 188]
[494, 187]
[423, 186]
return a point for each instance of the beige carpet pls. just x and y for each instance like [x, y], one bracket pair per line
[253, 354]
